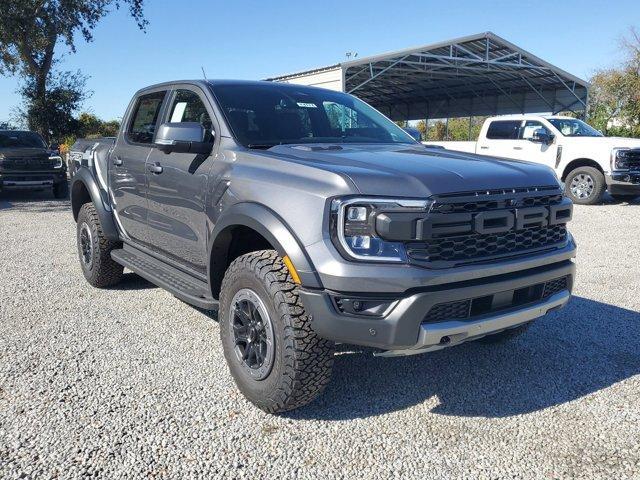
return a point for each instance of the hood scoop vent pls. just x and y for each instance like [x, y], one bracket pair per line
[318, 148]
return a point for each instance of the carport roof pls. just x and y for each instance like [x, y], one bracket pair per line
[481, 74]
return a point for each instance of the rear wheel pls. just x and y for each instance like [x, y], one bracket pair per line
[274, 356]
[94, 250]
[505, 335]
[585, 185]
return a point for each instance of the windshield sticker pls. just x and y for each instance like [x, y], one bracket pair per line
[307, 105]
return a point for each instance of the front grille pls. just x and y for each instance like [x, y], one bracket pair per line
[476, 245]
[471, 308]
[633, 159]
[28, 163]
[483, 205]
[451, 234]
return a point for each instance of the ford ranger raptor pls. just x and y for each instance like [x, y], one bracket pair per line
[306, 218]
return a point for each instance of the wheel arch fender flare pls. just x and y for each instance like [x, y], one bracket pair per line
[84, 189]
[273, 228]
[577, 163]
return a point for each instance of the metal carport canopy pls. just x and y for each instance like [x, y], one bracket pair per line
[481, 74]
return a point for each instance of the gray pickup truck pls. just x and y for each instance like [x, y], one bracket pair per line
[306, 218]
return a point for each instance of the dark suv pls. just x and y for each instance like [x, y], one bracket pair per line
[26, 162]
[306, 218]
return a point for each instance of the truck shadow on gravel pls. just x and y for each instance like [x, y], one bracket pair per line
[582, 349]
[32, 201]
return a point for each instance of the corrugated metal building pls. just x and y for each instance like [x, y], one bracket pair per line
[477, 75]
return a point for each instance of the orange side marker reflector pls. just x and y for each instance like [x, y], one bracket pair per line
[292, 269]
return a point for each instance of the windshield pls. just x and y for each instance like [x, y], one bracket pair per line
[264, 115]
[11, 139]
[570, 127]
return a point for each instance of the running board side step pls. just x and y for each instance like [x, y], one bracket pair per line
[182, 285]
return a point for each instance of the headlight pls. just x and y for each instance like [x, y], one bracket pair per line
[57, 161]
[354, 224]
[619, 159]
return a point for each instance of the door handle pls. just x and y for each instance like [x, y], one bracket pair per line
[484, 147]
[517, 148]
[117, 161]
[155, 168]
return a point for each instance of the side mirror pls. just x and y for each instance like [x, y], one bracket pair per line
[541, 136]
[183, 137]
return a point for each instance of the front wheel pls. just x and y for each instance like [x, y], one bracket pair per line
[273, 354]
[94, 250]
[585, 185]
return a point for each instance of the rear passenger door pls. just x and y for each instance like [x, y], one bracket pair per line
[177, 195]
[127, 173]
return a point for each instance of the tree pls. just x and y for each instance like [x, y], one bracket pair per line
[90, 126]
[614, 98]
[30, 33]
[52, 113]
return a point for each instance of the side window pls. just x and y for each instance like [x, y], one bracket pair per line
[145, 117]
[531, 126]
[504, 130]
[187, 106]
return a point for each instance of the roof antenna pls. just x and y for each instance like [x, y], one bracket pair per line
[203, 74]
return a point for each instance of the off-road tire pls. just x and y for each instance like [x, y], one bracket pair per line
[103, 271]
[303, 361]
[505, 335]
[61, 190]
[599, 185]
[624, 198]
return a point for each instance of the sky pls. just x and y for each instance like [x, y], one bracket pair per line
[251, 39]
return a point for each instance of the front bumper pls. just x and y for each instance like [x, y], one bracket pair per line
[402, 328]
[31, 180]
[623, 183]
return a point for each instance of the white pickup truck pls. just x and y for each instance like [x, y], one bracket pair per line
[585, 160]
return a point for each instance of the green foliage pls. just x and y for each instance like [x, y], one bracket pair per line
[52, 114]
[614, 98]
[458, 129]
[90, 126]
[30, 31]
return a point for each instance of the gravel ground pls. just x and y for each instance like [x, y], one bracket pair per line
[131, 382]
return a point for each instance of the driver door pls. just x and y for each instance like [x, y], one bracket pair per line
[525, 149]
[177, 187]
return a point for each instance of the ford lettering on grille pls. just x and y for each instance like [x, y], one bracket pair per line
[492, 221]
[471, 227]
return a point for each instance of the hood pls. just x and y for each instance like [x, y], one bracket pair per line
[608, 142]
[623, 142]
[25, 152]
[414, 170]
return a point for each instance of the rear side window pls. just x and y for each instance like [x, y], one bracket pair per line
[145, 117]
[504, 130]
